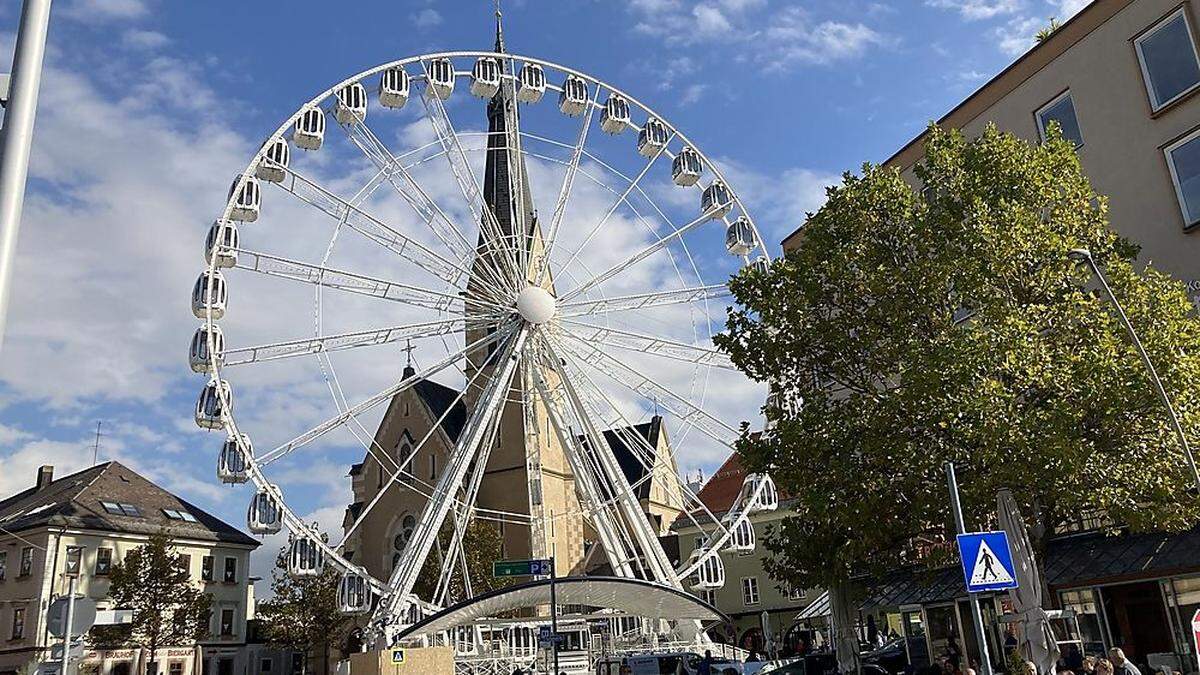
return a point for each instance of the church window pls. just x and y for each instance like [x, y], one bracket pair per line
[432, 467]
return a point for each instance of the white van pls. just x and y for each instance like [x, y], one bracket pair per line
[678, 663]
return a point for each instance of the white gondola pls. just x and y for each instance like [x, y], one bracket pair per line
[198, 354]
[310, 129]
[209, 292]
[686, 167]
[716, 200]
[222, 240]
[739, 238]
[394, 86]
[652, 138]
[711, 574]
[615, 117]
[351, 104]
[231, 463]
[741, 537]
[573, 99]
[439, 79]
[531, 83]
[354, 593]
[247, 198]
[210, 405]
[264, 515]
[305, 558]
[273, 161]
[759, 491]
[760, 265]
[485, 77]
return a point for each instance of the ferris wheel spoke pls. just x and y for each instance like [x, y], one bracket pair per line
[502, 255]
[340, 341]
[633, 184]
[366, 405]
[564, 192]
[627, 502]
[683, 409]
[680, 296]
[489, 405]
[646, 252]
[351, 282]
[647, 344]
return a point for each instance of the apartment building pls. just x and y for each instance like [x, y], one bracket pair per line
[1121, 78]
[109, 510]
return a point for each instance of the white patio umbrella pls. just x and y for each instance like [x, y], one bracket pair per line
[1037, 641]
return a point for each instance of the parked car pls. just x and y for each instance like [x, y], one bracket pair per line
[678, 663]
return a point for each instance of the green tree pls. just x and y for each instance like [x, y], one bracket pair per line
[168, 609]
[302, 614]
[909, 328]
[482, 544]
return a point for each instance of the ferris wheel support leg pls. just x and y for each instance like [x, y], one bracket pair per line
[404, 577]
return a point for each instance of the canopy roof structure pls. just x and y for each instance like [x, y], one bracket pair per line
[634, 597]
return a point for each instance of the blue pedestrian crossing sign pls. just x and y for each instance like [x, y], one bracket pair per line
[987, 563]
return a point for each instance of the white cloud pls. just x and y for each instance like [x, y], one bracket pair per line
[973, 10]
[692, 93]
[1068, 8]
[427, 18]
[144, 39]
[103, 10]
[1017, 35]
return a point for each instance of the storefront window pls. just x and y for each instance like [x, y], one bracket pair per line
[1083, 602]
[1183, 599]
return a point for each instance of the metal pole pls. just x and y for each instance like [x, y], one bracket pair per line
[66, 655]
[553, 615]
[1084, 255]
[985, 659]
[17, 136]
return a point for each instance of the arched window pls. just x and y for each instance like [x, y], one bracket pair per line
[401, 535]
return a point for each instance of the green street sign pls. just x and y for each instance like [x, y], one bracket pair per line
[521, 568]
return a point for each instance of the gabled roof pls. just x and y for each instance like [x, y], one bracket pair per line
[721, 491]
[438, 398]
[631, 464]
[75, 501]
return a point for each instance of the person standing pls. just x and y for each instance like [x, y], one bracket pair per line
[705, 667]
[1122, 665]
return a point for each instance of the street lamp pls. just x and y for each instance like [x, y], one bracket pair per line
[1082, 255]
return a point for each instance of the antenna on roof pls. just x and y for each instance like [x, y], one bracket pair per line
[96, 444]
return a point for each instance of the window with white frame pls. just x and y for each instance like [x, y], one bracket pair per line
[1183, 159]
[1168, 57]
[749, 591]
[709, 595]
[1062, 110]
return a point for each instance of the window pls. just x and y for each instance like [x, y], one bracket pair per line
[432, 467]
[265, 665]
[121, 509]
[794, 593]
[103, 562]
[709, 596]
[749, 591]
[1183, 158]
[185, 564]
[18, 624]
[26, 562]
[206, 568]
[3, 564]
[1168, 57]
[402, 455]
[230, 570]
[227, 621]
[1061, 110]
[297, 663]
[175, 514]
[175, 668]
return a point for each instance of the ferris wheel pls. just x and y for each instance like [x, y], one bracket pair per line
[369, 226]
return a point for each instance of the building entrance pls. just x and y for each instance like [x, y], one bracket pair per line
[1138, 619]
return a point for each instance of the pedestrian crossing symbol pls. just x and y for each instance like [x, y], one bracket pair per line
[986, 561]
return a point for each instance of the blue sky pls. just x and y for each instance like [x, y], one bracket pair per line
[149, 107]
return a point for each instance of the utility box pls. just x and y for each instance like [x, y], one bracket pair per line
[404, 661]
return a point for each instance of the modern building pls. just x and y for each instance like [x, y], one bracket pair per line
[750, 597]
[108, 510]
[1121, 78]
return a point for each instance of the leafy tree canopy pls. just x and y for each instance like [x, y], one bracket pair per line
[302, 614]
[908, 328]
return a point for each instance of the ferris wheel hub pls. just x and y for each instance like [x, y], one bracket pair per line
[536, 305]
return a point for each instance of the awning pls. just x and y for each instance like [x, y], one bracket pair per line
[818, 609]
[634, 597]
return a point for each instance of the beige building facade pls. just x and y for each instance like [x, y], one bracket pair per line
[107, 511]
[1122, 79]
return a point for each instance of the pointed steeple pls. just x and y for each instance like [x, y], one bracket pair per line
[499, 29]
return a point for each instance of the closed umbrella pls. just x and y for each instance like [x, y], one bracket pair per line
[197, 661]
[1037, 640]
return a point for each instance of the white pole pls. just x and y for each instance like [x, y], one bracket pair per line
[66, 655]
[18, 135]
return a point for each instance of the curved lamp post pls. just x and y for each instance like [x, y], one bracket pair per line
[1082, 255]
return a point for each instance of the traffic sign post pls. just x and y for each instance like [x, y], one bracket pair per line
[534, 568]
[985, 659]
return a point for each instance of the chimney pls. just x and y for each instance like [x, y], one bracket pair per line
[45, 475]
